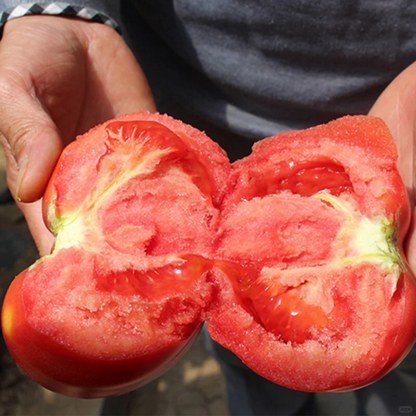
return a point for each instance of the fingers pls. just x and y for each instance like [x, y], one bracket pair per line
[42, 236]
[30, 138]
[58, 78]
[123, 85]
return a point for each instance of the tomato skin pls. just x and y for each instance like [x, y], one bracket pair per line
[62, 370]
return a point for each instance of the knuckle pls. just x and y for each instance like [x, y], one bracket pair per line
[18, 138]
[15, 127]
[6, 87]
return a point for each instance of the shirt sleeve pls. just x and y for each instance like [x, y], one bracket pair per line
[95, 11]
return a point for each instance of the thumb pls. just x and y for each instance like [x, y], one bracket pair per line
[31, 141]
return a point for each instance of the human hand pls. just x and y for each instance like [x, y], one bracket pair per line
[397, 107]
[58, 78]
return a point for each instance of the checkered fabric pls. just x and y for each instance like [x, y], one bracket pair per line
[57, 9]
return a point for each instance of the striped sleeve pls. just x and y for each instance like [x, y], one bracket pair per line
[56, 9]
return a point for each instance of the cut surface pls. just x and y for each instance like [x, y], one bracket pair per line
[118, 312]
[129, 259]
[293, 256]
[298, 219]
[303, 247]
[316, 218]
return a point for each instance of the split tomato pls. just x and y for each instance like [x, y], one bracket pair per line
[134, 206]
[325, 299]
[292, 255]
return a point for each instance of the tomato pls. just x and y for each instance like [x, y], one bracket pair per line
[292, 255]
[134, 205]
[325, 300]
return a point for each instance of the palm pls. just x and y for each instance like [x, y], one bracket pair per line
[59, 78]
[82, 73]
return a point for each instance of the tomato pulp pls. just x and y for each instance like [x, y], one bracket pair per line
[317, 218]
[292, 255]
[134, 206]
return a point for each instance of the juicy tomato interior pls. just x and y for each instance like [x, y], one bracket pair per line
[156, 138]
[308, 181]
[155, 283]
[153, 140]
[305, 179]
[288, 316]
[284, 311]
[157, 172]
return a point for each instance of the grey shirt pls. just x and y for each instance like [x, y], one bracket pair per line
[261, 66]
[257, 67]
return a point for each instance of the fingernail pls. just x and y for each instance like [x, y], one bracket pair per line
[21, 169]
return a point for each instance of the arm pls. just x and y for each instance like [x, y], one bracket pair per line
[58, 78]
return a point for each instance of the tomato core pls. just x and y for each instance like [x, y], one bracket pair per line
[154, 137]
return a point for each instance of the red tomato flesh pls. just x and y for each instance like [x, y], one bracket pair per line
[311, 179]
[293, 255]
[154, 283]
[305, 179]
[282, 310]
[134, 207]
[158, 138]
[317, 218]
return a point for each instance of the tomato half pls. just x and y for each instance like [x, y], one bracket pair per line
[325, 300]
[134, 206]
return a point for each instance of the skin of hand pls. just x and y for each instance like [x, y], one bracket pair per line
[58, 78]
[397, 107]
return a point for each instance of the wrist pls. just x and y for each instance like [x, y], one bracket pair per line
[56, 9]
